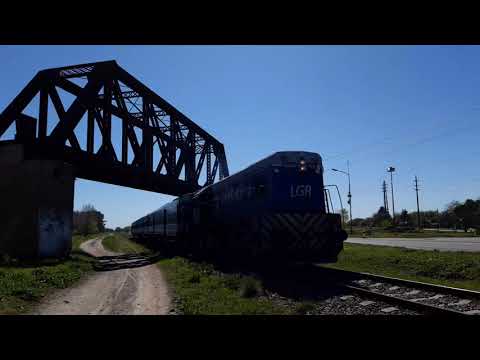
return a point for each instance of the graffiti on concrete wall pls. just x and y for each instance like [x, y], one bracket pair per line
[54, 226]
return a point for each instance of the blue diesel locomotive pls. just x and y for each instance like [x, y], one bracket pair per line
[274, 209]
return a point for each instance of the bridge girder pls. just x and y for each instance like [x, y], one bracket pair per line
[148, 124]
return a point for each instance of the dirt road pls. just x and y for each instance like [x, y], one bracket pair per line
[133, 291]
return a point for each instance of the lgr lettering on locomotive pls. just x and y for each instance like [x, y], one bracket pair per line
[254, 214]
[304, 191]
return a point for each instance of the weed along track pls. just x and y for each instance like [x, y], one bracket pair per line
[307, 290]
[316, 290]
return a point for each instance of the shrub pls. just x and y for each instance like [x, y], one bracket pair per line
[232, 282]
[195, 278]
[305, 308]
[250, 287]
[5, 259]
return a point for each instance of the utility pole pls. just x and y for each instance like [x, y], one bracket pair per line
[349, 193]
[391, 170]
[418, 206]
[349, 197]
[385, 197]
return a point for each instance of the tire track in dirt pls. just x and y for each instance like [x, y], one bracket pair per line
[134, 291]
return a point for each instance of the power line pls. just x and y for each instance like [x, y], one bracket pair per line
[361, 146]
[418, 141]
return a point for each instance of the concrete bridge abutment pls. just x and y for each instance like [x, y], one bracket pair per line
[36, 205]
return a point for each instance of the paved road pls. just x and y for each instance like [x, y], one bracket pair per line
[438, 243]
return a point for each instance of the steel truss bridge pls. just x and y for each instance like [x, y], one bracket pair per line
[161, 149]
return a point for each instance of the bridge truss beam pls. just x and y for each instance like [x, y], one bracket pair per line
[161, 149]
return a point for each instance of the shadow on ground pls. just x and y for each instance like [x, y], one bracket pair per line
[299, 282]
[294, 281]
[302, 282]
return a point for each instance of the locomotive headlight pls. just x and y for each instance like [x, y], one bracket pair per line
[303, 167]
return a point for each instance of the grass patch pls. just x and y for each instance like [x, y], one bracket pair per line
[23, 285]
[119, 242]
[250, 287]
[305, 308]
[201, 290]
[78, 240]
[457, 269]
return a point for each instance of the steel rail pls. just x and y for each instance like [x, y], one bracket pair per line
[412, 305]
[410, 283]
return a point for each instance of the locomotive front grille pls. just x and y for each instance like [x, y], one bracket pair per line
[295, 231]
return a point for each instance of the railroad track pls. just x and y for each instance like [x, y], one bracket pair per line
[417, 296]
[125, 261]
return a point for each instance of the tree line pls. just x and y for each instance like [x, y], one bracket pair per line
[88, 221]
[456, 215]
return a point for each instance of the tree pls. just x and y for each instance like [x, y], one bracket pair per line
[345, 217]
[448, 218]
[358, 222]
[88, 208]
[452, 205]
[404, 218]
[430, 218]
[88, 221]
[469, 213]
[92, 227]
[380, 217]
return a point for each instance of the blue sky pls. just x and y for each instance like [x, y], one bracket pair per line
[412, 107]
